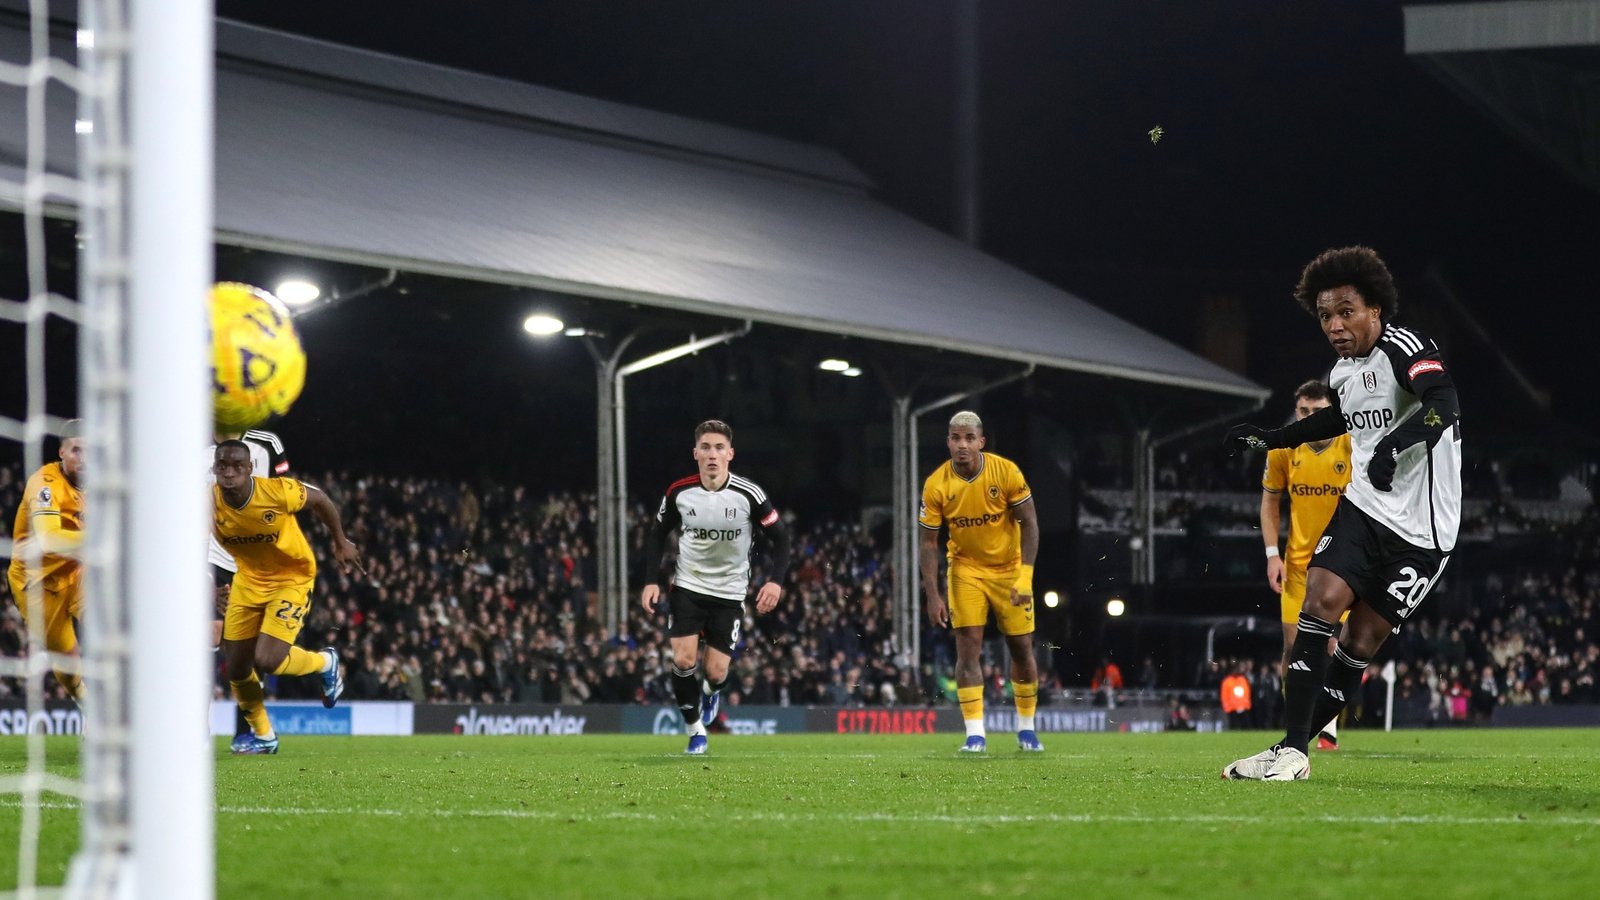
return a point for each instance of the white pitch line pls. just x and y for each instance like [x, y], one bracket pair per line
[881, 818]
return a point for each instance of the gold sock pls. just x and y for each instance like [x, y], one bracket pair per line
[252, 701]
[971, 702]
[302, 662]
[1026, 695]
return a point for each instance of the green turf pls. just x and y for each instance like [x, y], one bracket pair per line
[1413, 814]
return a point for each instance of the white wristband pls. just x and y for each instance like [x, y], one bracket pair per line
[1272, 551]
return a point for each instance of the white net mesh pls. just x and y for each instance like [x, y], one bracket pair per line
[68, 96]
[37, 74]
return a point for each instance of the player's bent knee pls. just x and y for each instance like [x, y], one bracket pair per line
[267, 662]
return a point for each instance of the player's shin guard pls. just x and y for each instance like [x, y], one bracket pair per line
[971, 708]
[252, 702]
[1302, 684]
[1027, 697]
[1338, 689]
[686, 690]
[301, 662]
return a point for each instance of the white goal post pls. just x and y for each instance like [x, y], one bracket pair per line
[159, 661]
[142, 191]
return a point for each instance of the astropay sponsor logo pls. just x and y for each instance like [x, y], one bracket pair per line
[555, 723]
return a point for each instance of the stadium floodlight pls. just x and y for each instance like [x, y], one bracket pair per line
[576, 331]
[834, 365]
[543, 325]
[1052, 599]
[1115, 607]
[297, 291]
[852, 372]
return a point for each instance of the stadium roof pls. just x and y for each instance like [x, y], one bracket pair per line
[1532, 66]
[349, 155]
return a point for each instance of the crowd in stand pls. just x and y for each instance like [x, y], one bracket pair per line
[485, 593]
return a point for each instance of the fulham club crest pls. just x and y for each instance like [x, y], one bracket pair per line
[1370, 379]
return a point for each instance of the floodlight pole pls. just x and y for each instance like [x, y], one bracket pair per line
[612, 528]
[613, 584]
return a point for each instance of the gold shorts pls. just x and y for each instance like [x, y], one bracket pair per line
[61, 608]
[1293, 598]
[253, 610]
[971, 595]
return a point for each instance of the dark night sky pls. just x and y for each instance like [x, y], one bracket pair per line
[1290, 127]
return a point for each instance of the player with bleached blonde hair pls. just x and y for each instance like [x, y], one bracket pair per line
[985, 504]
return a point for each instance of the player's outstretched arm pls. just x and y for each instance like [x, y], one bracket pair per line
[938, 611]
[1322, 425]
[344, 551]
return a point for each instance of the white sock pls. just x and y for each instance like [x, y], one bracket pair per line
[1332, 728]
[269, 736]
[974, 727]
[1024, 723]
[697, 728]
[327, 660]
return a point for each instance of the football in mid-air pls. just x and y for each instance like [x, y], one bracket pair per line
[257, 364]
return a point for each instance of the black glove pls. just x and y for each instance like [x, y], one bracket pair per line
[1253, 436]
[1380, 471]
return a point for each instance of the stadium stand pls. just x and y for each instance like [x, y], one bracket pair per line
[483, 594]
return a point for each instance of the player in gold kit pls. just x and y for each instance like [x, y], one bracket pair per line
[254, 521]
[50, 522]
[987, 506]
[1314, 476]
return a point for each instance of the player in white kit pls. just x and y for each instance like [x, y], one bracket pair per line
[1392, 533]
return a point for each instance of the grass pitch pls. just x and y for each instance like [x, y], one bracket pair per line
[1421, 814]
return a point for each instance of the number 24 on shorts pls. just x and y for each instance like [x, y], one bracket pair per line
[290, 612]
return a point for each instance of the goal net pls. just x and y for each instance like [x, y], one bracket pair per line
[106, 126]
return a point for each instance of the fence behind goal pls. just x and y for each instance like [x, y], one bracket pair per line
[106, 120]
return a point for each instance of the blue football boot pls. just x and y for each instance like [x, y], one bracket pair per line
[250, 745]
[332, 681]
